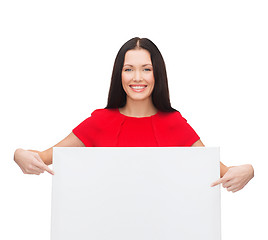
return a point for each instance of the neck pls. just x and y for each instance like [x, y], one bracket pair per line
[134, 108]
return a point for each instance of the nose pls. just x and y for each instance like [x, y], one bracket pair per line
[137, 76]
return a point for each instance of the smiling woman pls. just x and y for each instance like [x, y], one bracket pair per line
[138, 78]
[139, 62]
[138, 114]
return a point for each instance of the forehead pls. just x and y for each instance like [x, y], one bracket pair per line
[137, 57]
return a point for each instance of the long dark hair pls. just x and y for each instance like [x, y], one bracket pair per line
[160, 93]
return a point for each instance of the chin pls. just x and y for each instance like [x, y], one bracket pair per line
[141, 98]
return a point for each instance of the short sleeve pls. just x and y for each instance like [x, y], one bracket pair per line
[171, 129]
[86, 130]
[187, 133]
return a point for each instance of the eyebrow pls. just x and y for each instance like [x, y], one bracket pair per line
[142, 65]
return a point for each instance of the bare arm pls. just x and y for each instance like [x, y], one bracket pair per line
[233, 178]
[70, 141]
[35, 162]
[223, 168]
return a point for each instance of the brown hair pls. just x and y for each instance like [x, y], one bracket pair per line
[160, 93]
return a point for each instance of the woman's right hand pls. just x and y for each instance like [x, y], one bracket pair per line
[30, 162]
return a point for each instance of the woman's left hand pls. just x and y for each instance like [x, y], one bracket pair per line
[236, 177]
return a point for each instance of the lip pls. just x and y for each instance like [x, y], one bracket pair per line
[138, 90]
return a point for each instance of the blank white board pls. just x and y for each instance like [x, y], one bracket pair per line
[135, 193]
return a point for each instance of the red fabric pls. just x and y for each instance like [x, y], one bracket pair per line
[110, 128]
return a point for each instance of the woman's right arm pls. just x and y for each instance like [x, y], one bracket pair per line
[35, 162]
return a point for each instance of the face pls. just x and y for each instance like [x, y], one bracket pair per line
[137, 74]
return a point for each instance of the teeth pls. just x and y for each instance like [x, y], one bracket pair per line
[138, 87]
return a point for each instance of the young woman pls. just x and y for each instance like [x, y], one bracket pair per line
[138, 114]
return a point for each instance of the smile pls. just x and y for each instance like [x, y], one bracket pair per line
[138, 88]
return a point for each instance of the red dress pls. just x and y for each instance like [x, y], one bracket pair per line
[110, 128]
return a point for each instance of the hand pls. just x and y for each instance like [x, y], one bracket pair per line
[236, 177]
[30, 162]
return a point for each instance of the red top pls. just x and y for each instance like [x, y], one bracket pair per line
[110, 128]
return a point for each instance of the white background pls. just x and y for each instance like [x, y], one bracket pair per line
[56, 59]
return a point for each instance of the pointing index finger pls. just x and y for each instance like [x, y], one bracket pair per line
[219, 181]
[46, 168]
[43, 166]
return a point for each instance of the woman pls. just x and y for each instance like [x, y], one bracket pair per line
[138, 114]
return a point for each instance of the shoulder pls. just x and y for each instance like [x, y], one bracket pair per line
[171, 120]
[175, 131]
[171, 116]
[104, 113]
[103, 117]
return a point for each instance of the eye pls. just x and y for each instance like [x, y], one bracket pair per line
[127, 69]
[147, 69]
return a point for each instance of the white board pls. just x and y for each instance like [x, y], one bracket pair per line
[135, 193]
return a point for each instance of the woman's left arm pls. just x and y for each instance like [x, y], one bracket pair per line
[233, 178]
